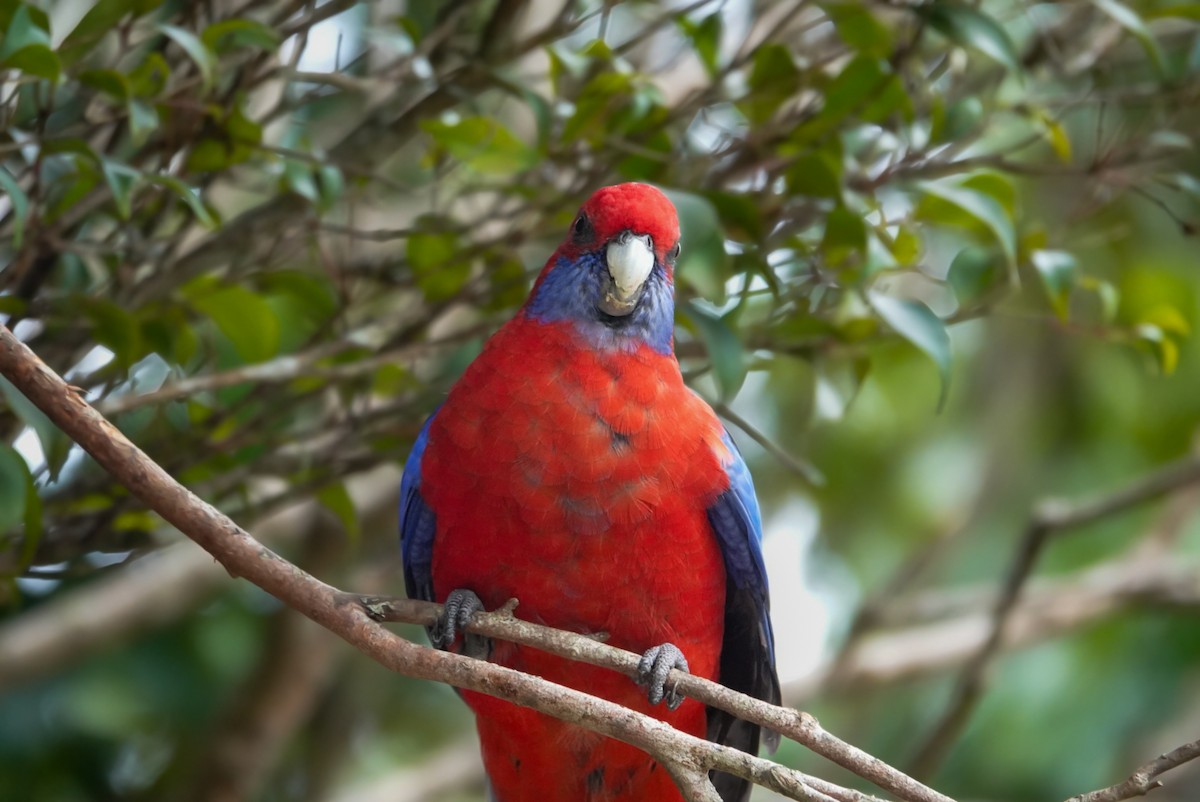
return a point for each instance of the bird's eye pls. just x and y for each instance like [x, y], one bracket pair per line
[582, 230]
[674, 253]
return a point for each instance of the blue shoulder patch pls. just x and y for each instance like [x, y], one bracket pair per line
[738, 523]
[748, 649]
[417, 523]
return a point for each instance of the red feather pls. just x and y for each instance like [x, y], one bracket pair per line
[537, 498]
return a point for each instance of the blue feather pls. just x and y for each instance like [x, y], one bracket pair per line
[748, 650]
[572, 289]
[417, 523]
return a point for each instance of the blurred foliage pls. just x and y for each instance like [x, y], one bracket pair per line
[265, 235]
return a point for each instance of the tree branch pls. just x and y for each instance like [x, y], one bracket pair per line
[152, 591]
[1050, 518]
[1145, 779]
[799, 726]
[243, 556]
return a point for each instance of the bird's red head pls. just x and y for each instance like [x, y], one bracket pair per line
[636, 208]
[613, 275]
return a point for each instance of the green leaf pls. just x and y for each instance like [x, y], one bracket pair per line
[915, 322]
[331, 185]
[706, 39]
[298, 177]
[1128, 19]
[968, 27]
[55, 445]
[997, 186]
[960, 120]
[14, 481]
[974, 274]
[115, 329]
[862, 88]
[143, 121]
[150, 77]
[1056, 135]
[337, 500]
[1164, 142]
[859, 28]
[20, 205]
[596, 105]
[33, 522]
[1169, 319]
[816, 173]
[483, 144]
[167, 332]
[34, 60]
[1161, 344]
[1180, 10]
[230, 34]
[1185, 183]
[724, 349]
[703, 262]
[1058, 271]
[301, 303]
[245, 318]
[241, 128]
[906, 246]
[121, 179]
[210, 156]
[72, 188]
[196, 50]
[309, 293]
[188, 195]
[891, 98]
[436, 264]
[26, 44]
[109, 82]
[104, 16]
[1107, 295]
[983, 208]
[774, 77]
[739, 214]
[845, 235]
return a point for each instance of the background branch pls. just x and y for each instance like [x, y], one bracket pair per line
[1145, 778]
[1050, 519]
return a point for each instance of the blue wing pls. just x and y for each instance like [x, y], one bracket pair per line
[417, 523]
[748, 649]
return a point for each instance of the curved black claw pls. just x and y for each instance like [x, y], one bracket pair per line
[653, 669]
[460, 605]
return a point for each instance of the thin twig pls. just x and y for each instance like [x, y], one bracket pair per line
[1145, 779]
[799, 726]
[1050, 518]
[805, 470]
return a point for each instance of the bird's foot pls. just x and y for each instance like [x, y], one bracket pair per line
[652, 672]
[460, 605]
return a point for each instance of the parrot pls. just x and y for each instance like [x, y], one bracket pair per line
[571, 468]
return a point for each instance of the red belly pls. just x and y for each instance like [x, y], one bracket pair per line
[532, 757]
[579, 486]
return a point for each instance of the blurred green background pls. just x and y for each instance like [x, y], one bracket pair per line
[941, 267]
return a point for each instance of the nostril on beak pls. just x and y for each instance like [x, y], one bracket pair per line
[626, 236]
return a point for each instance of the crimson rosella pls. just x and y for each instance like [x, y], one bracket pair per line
[571, 468]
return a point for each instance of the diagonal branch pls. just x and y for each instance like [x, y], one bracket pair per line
[243, 556]
[1145, 779]
[1049, 519]
[799, 726]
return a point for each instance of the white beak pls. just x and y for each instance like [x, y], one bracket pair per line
[630, 260]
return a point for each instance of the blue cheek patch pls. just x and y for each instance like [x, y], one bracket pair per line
[571, 291]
